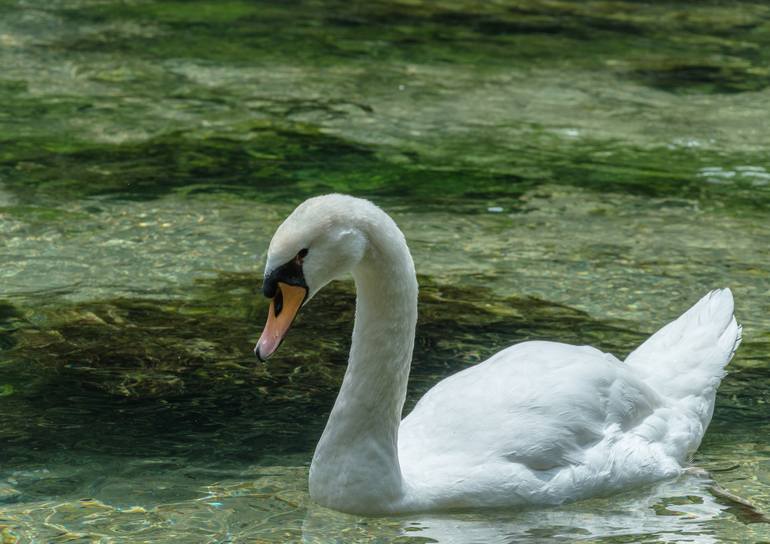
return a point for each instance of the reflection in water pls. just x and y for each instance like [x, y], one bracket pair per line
[671, 512]
[270, 504]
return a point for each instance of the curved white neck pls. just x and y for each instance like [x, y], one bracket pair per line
[356, 460]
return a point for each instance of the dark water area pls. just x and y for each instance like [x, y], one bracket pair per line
[573, 171]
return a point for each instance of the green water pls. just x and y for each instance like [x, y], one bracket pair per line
[577, 171]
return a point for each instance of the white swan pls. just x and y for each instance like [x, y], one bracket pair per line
[537, 423]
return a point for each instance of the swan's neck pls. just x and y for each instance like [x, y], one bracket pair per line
[355, 467]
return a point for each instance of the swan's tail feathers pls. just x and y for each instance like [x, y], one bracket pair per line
[688, 356]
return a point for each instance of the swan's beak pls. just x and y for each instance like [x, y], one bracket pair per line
[283, 309]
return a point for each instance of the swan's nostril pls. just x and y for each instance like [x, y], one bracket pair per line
[278, 302]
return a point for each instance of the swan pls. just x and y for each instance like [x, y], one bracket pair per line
[538, 423]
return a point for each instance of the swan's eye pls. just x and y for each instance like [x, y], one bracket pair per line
[301, 255]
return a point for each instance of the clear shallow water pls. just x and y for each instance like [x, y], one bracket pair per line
[573, 171]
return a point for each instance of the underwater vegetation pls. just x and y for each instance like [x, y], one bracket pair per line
[578, 171]
[152, 348]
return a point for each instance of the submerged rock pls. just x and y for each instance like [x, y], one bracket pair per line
[144, 348]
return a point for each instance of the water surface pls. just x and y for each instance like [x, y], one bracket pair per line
[576, 171]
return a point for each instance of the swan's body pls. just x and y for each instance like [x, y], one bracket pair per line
[537, 423]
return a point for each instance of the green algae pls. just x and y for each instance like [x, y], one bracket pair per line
[462, 33]
[212, 132]
[267, 163]
[261, 161]
[40, 214]
[270, 163]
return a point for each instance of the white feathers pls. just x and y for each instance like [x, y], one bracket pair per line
[688, 355]
[542, 422]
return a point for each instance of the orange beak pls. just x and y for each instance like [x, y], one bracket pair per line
[283, 309]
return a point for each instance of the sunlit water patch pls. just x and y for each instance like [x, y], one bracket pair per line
[269, 504]
[755, 176]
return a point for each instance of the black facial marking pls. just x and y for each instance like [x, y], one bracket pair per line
[290, 273]
[278, 302]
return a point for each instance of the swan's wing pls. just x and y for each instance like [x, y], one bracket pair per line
[538, 404]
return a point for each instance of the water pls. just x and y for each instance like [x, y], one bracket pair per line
[578, 171]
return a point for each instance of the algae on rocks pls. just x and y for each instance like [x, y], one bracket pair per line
[163, 348]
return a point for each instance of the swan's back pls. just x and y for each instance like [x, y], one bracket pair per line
[543, 422]
[538, 403]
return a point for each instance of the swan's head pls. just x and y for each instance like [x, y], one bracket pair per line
[319, 242]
